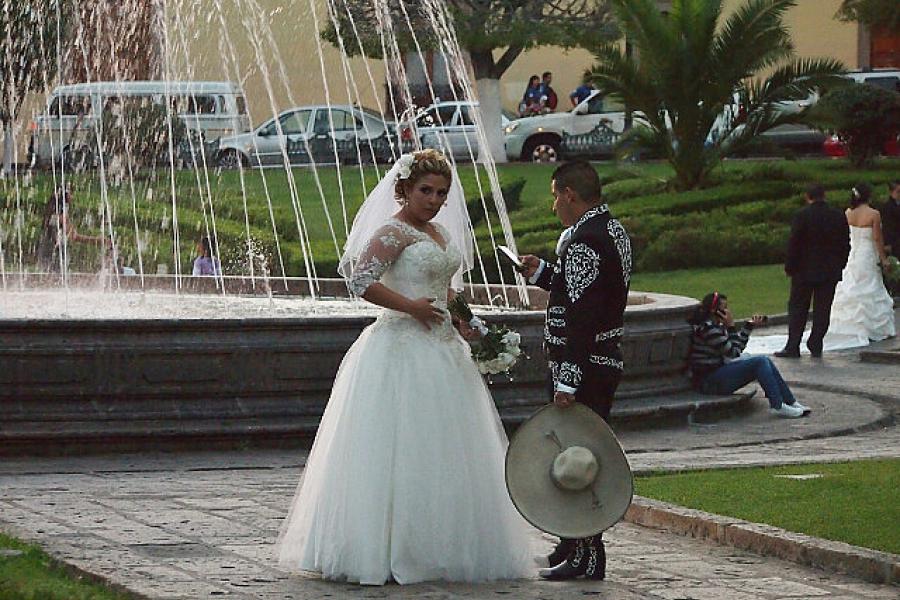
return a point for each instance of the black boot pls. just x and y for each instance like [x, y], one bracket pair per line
[562, 551]
[574, 566]
[596, 559]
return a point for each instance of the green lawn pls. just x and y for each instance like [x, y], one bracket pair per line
[761, 289]
[34, 576]
[741, 219]
[852, 502]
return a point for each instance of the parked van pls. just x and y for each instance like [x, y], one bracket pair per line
[211, 109]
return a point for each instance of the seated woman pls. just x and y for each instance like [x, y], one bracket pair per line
[716, 363]
[206, 263]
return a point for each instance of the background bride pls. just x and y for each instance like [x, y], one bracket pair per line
[405, 479]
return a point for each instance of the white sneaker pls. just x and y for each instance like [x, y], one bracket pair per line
[806, 410]
[787, 411]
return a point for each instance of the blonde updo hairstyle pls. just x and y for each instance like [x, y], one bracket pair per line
[427, 162]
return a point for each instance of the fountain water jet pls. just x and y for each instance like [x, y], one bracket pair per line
[182, 360]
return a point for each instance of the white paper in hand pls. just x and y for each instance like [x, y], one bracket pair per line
[511, 256]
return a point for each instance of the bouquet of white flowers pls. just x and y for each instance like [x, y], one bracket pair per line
[498, 347]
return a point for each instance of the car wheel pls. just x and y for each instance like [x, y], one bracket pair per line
[542, 150]
[231, 159]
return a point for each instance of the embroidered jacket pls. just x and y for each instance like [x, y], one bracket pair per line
[588, 288]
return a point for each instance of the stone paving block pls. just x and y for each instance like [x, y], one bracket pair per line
[701, 593]
[869, 590]
[775, 586]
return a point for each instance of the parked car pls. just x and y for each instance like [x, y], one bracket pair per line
[835, 148]
[307, 133]
[538, 138]
[446, 126]
[209, 109]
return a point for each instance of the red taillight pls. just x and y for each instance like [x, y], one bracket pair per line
[406, 134]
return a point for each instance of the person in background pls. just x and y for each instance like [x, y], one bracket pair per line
[890, 219]
[716, 363]
[57, 230]
[816, 256]
[583, 91]
[548, 94]
[206, 263]
[531, 99]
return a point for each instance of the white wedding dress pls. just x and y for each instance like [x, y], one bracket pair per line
[405, 480]
[862, 306]
[862, 310]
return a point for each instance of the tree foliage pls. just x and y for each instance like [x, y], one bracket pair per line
[695, 76]
[137, 135]
[874, 13]
[481, 26]
[28, 50]
[863, 116]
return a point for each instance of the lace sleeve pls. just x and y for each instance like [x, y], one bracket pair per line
[379, 253]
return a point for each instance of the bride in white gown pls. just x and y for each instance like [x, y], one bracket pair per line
[862, 306]
[405, 479]
[862, 310]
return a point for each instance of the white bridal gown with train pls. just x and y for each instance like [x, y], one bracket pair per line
[405, 480]
[862, 311]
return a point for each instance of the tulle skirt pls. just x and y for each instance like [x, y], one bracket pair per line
[405, 479]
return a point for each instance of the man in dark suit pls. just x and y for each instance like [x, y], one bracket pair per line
[817, 253]
[588, 287]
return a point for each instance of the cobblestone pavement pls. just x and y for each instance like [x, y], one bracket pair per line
[202, 525]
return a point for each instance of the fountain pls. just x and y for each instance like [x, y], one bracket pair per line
[159, 357]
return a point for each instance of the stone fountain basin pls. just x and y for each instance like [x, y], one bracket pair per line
[252, 369]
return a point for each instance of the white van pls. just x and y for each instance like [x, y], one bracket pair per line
[210, 108]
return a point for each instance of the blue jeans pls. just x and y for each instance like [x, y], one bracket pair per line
[735, 375]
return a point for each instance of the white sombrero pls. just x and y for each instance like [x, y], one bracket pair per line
[567, 474]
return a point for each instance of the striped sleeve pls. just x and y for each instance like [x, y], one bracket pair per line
[713, 342]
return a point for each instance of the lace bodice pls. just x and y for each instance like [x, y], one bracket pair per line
[408, 261]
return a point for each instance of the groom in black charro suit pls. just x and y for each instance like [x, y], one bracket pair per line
[588, 288]
[817, 254]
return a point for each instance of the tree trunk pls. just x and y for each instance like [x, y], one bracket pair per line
[489, 101]
[9, 148]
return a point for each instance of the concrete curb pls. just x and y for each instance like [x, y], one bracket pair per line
[866, 564]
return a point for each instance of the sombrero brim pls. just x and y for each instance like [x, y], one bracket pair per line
[530, 457]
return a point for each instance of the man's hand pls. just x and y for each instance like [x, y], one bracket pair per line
[531, 263]
[563, 399]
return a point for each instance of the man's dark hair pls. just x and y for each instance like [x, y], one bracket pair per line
[581, 178]
[546, 73]
[816, 192]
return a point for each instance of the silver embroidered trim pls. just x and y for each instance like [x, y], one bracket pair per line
[554, 340]
[570, 374]
[623, 246]
[592, 212]
[608, 335]
[582, 268]
[605, 361]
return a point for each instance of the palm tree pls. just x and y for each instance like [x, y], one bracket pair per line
[690, 74]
